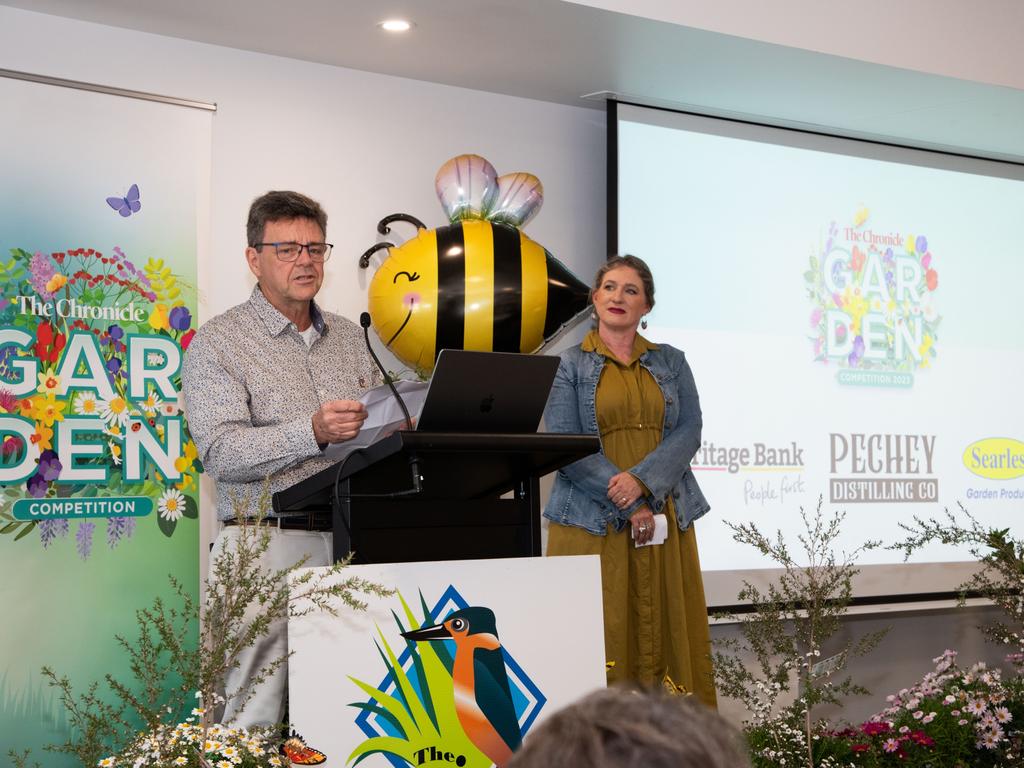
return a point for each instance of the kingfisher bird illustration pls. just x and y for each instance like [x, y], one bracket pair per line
[483, 701]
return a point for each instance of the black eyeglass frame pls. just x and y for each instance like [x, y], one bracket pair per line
[307, 246]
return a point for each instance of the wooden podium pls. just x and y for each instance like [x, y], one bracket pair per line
[479, 497]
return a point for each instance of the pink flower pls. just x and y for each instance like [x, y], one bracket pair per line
[890, 745]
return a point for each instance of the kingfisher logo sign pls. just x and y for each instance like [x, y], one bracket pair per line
[454, 694]
[873, 311]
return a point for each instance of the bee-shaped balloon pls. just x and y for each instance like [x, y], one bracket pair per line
[477, 283]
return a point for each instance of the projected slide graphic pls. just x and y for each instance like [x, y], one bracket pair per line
[874, 310]
[849, 313]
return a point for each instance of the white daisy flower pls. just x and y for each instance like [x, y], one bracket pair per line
[151, 404]
[115, 411]
[154, 359]
[172, 507]
[86, 405]
[106, 762]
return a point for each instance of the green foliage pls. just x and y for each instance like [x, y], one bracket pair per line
[152, 716]
[999, 578]
[790, 625]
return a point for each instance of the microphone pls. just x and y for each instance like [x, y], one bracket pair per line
[364, 321]
[414, 464]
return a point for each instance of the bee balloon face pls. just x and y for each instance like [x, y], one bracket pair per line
[474, 284]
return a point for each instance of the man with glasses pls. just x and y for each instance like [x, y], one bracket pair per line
[268, 385]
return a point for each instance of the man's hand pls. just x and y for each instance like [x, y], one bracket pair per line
[338, 420]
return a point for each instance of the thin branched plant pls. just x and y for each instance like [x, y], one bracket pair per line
[789, 624]
[998, 578]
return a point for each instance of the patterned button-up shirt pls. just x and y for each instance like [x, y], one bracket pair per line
[251, 387]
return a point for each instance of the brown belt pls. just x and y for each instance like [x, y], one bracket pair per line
[312, 521]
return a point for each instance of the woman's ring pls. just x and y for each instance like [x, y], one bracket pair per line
[623, 500]
[643, 529]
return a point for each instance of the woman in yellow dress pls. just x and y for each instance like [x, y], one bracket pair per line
[640, 398]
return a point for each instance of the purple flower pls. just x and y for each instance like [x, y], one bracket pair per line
[37, 485]
[114, 364]
[815, 317]
[921, 244]
[180, 318]
[52, 529]
[83, 538]
[857, 353]
[118, 529]
[839, 280]
[49, 465]
[115, 332]
[42, 269]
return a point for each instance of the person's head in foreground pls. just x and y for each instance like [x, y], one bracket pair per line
[625, 728]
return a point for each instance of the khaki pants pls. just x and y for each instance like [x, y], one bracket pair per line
[267, 703]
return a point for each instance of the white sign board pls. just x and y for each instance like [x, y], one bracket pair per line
[497, 646]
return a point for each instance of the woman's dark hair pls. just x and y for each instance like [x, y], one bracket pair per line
[278, 206]
[633, 262]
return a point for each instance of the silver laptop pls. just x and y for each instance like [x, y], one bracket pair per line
[487, 392]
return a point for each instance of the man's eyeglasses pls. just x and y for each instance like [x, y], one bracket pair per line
[291, 251]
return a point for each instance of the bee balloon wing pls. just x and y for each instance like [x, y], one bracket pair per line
[467, 186]
[520, 196]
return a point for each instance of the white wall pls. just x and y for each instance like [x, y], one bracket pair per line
[367, 145]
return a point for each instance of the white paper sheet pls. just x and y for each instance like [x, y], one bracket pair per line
[383, 415]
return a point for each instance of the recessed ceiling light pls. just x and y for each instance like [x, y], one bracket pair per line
[395, 25]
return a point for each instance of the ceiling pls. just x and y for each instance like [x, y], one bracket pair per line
[562, 51]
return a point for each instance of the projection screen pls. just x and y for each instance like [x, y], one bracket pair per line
[851, 314]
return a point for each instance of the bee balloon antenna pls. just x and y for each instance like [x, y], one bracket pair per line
[364, 260]
[384, 228]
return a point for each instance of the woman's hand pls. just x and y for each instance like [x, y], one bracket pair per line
[643, 525]
[624, 490]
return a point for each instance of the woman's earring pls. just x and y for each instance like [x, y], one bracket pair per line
[643, 324]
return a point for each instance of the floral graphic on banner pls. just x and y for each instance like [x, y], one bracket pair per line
[872, 293]
[90, 355]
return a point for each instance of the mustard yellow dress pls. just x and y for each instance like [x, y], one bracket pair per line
[655, 613]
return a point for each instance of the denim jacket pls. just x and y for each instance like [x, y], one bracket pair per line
[579, 497]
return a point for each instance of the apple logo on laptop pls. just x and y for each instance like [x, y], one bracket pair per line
[487, 404]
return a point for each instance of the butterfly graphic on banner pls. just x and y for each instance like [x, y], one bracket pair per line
[298, 753]
[128, 204]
